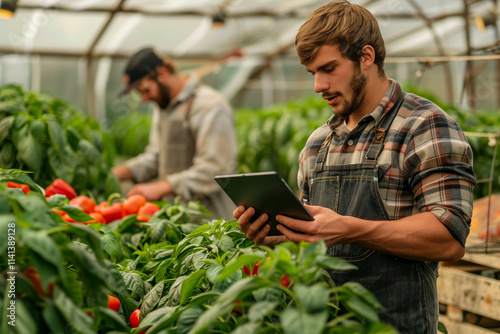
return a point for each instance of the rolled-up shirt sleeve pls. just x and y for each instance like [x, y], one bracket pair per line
[438, 165]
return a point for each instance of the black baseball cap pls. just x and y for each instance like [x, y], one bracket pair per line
[144, 62]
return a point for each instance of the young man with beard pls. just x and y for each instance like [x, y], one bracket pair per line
[388, 178]
[192, 136]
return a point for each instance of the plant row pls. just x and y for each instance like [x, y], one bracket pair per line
[164, 274]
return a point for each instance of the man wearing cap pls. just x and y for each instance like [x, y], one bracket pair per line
[192, 136]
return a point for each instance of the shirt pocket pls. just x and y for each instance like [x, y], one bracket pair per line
[350, 253]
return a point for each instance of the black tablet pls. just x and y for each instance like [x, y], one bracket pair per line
[266, 192]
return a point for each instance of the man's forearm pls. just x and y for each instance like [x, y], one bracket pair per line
[122, 172]
[419, 237]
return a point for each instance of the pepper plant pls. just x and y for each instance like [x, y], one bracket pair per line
[52, 139]
[169, 274]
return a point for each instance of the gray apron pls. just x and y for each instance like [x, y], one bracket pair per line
[405, 288]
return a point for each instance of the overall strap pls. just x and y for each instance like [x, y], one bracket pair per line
[381, 130]
[185, 121]
[322, 146]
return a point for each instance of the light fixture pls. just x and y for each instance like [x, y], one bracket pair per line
[219, 19]
[7, 8]
[487, 19]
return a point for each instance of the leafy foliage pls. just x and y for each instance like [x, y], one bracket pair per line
[187, 279]
[131, 133]
[52, 139]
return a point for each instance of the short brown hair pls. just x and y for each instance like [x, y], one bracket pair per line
[341, 23]
[169, 65]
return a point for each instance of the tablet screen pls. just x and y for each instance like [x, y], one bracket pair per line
[266, 192]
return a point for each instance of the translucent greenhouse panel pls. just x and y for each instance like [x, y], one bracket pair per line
[73, 4]
[180, 35]
[137, 30]
[15, 69]
[385, 8]
[173, 5]
[421, 42]
[50, 30]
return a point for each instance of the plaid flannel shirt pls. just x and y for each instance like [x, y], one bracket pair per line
[426, 163]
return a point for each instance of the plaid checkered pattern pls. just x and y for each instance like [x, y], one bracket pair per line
[426, 163]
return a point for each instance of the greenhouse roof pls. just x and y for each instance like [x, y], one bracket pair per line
[248, 33]
[265, 27]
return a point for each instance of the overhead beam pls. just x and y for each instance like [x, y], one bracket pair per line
[90, 60]
[299, 13]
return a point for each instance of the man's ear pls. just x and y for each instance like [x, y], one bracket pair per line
[367, 56]
[162, 74]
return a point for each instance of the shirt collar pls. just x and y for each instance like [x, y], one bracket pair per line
[188, 90]
[385, 104]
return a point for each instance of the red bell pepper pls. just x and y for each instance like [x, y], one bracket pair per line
[246, 270]
[98, 218]
[110, 212]
[85, 203]
[113, 303]
[146, 211]
[132, 204]
[59, 186]
[255, 269]
[285, 281]
[134, 320]
[24, 187]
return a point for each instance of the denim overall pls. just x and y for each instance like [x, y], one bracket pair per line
[405, 288]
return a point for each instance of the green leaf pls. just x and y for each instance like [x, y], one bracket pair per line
[57, 200]
[190, 284]
[260, 310]
[35, 212]
[134, 283]
[272, 294]
[5, 125]
[162, 269]
[442, 328]
[359, 307]
[44, 246]
[73, 286]
[76, 213]
[174, 294]
[25, 323]
[79, 321]
[248, 328]
[357, 289]
[162, 318]
[151, 299]
[56, 135]
[89, 236]
[63, 167]
[188, 318]
[295, 321]
[242, 260]
[89, 152]
[29, 150]
[53, 318]
[313, 298]
[109, 241]
[204, 298]
[334, 263]
[158, 229]
[225, 303]
[112, 320]
[9, 228]
[7, 154]
[92, 271]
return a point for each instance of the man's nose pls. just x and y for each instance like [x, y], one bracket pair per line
[320, 83]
